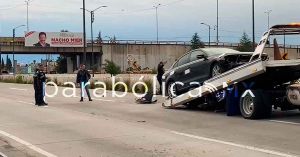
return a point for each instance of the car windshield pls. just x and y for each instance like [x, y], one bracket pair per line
[218, 51]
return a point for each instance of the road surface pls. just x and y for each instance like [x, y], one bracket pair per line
[117, 127]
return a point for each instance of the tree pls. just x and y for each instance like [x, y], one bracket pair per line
[64, 30]
[112, 68]
[245, 44]
[196, 42]
[2, 64]
[8, 64]
[99, 37]
[61, 66]
[113, 39]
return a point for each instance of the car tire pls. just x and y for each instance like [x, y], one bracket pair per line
[256, 107]
[215, 70]
[169, 94]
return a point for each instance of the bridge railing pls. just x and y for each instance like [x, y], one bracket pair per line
[21, 42]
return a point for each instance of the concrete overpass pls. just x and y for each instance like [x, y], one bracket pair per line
[146, 53]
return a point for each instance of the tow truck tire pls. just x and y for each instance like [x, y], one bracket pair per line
[256, 107]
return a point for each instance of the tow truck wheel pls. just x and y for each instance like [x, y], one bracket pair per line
[255, 105]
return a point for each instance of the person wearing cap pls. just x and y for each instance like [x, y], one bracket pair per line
[39, 86]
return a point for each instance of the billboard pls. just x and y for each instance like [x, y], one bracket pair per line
[53, 39]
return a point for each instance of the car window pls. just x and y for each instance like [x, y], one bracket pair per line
[244, 58]
[194, 55]
[183, 60]
[175, 65]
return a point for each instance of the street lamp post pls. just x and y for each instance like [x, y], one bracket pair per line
[27, 13]
[14, 35]
[84, 33]
[253, 25]
[217, 22]
[268, 12]
[92, 33]
[0, 60]
[209, 28]
[157, 27]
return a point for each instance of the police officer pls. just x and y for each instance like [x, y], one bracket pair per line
[39, 86]
[35, 86]
[83, 76]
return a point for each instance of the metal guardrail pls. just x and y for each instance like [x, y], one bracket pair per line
[21, 42]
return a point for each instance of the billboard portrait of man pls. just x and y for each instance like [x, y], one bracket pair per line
[42, 40]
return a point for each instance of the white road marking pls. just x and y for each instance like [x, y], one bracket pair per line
[19, 89]
[235, 145]
[2, 155]
[28, 103]
[27, 144]
[284, 122]
[98, 99]
[103, 100]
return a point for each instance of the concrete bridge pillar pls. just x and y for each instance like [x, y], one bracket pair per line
[70, 64]
[77, 61]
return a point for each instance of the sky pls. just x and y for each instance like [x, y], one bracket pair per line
[135, 19]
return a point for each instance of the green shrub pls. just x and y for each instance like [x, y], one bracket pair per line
[112, 68]
[154, 71]
[55, 80]
[108, 84]
[19, 79]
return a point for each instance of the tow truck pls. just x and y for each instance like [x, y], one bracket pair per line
[267, 81]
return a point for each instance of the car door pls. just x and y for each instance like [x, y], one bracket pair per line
[199, 67]
[181, 73]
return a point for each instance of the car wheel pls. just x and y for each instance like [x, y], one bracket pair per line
[172, 93]
[255, 106]
[215, 70]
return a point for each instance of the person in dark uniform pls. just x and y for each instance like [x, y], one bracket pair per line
[42, 40]
[83, 76]
[160, 73]
[35, 85]
[39, 86]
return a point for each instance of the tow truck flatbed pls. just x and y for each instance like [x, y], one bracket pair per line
[271, 74]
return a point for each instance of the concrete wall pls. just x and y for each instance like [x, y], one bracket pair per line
[145, 55]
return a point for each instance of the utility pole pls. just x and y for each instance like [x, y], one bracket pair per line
[13, 62]
[268, 12]
[27, 4]
[253, 25]
[157, 27]
[0, 59]
[92, 36]
[14, 35]
[217, 22]
[84, 34]
[209, 28]
[92, 32]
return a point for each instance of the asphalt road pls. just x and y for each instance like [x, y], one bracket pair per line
[117, 127]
